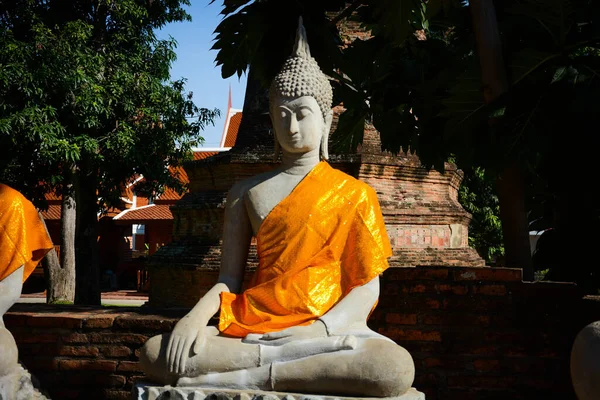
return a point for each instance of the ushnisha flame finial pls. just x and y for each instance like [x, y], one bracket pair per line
[301, 76]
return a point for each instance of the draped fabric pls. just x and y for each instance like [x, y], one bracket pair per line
[23, 237]
[314, 247]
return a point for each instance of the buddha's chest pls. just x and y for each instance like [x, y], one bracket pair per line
[262, 198]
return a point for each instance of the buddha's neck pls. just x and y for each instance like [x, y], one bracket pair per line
[299, 164]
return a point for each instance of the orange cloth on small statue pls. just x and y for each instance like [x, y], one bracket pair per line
[23, 237]
[317, 244]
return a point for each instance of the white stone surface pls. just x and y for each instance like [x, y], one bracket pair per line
[142, 391]
[18, 386]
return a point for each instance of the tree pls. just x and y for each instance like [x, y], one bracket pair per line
[426, 95]
[87, 105]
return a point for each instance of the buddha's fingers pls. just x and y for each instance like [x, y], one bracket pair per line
[182, 353]
[171, 351]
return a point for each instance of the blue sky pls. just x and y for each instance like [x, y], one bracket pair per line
[196, 62]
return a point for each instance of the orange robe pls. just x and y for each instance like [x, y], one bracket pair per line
[23, 237]
[314, 247]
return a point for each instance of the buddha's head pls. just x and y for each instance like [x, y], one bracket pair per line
[300, 100]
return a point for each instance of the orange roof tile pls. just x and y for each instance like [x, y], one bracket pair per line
[232, 130]
[140, 215]
[51, 196]
[201, 155]
[52, 213]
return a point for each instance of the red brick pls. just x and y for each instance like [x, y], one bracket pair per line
[35, 337]
[88, 365]
[486, 365]
[112, 381]
[98, 322]
[455, 319]
[415, 273]
[41, 363]
[78, 351]
[487, 382]
[401, 319]
[55, 321]
[488, 274]
[145, 323]
[117, 395]
[409, 303]
[411, 334]
[74, 338]
[477, 303]
[125, 338]
[12, 319]
[66, 394]
[115, 351]
[432, 362]
[454, 289]
[415, 288]
[490, 290]
[390, 288]
[129, 366]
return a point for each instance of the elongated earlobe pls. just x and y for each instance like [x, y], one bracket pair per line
[325, 146]
[325, 138]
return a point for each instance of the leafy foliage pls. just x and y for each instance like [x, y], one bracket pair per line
[417, 79]
[478, 197]
[85, 87]
[90, 81]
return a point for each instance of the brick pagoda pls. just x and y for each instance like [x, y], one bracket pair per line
[425, 222]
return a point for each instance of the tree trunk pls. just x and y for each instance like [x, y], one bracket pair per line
[61, 280]
[87, 288]
[515, 227]
[50, 264]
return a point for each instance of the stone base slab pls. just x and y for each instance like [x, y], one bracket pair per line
[143, 391]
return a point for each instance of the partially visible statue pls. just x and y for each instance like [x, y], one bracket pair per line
[585, 362]
[321, 242]
[24, 241]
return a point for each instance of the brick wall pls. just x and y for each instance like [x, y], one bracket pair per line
[474, 333]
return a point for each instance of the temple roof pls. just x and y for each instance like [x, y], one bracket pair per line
[145, 214]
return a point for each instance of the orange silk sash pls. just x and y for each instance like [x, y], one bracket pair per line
[23, 238]
[324, 239]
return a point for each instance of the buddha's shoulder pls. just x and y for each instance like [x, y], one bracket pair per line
[241, 188]
[349, 184]
[10, 196]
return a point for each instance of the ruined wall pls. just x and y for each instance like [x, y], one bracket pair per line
[474, 333]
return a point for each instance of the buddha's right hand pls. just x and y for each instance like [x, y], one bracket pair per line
[187, 332]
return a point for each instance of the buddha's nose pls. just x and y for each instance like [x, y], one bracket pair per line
[293, 125]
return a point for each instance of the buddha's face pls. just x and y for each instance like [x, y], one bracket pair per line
[298, 123]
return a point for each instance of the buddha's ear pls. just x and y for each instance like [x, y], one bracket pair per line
[276, 146]
[325, 137]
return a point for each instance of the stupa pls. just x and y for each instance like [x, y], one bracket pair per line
[426, 224]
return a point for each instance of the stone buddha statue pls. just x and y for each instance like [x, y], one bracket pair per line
[24, 241]
[321, 242]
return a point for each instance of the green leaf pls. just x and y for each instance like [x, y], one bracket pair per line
[560, 73]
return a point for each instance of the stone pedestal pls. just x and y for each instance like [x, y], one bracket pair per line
[143, 391]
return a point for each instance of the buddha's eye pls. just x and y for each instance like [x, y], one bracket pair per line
[304, 112]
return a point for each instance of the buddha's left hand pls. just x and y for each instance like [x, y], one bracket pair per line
[316, 329]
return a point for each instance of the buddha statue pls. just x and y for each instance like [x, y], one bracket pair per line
[321, 243]
[24, 241]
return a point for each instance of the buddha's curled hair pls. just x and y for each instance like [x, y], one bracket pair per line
[301, 76]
